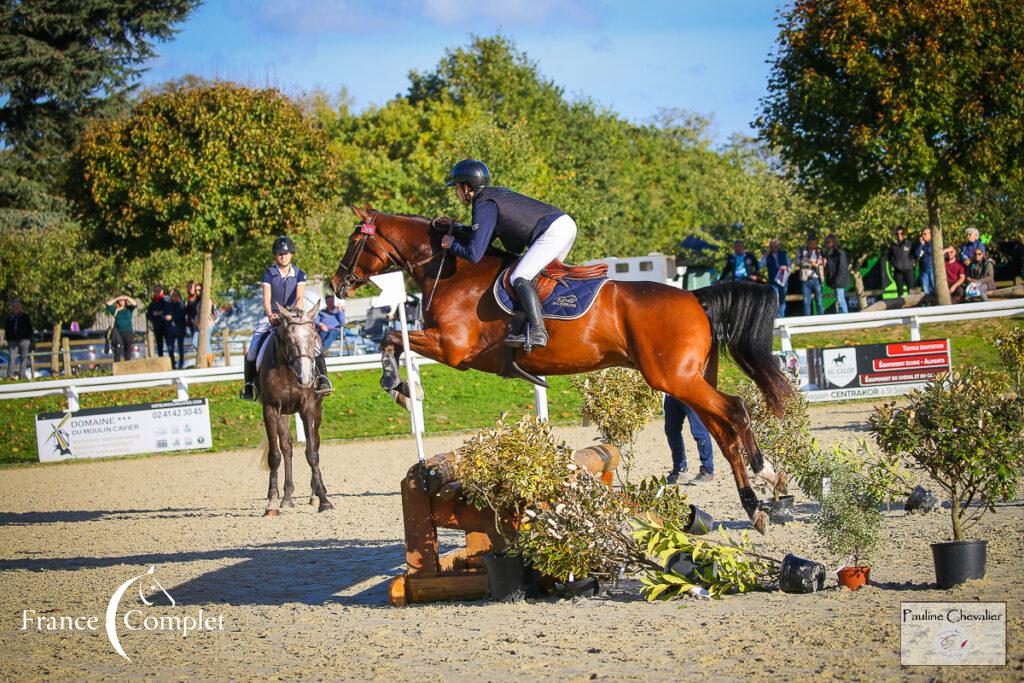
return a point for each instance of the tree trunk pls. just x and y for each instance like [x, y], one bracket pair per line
[55, 350]
[858, 284]
[958, 534]
[204, 311]
[931, 196]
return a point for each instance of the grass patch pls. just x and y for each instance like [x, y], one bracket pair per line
[454, 401]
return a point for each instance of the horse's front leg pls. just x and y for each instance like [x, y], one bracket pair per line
[285, 438]
[424, 342]
[270, 422]
[311, 417]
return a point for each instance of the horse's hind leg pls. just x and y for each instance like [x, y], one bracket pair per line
[270, 422]
[726, 418]
[285, 437]
[311, 419]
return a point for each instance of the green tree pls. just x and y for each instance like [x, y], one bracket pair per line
[208, 170]
[62, 63]
[918, 95]
[46, 261]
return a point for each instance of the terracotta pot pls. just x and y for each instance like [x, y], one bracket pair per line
[854, 577]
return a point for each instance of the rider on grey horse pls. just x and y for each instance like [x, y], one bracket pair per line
[284, 284]
[520, 221]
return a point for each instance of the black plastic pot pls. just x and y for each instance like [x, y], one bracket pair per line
[958, 561]
[920, 500]
[700, 522]
[583, 587]
[779, 511]
[682, 564]
[801, 576]
[504, 577]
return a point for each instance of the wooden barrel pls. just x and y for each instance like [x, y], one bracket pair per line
[598, 459]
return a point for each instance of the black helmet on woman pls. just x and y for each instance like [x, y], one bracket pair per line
[284, 245]
[472, 172]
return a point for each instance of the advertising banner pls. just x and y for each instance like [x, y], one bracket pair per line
[124, 430]
[867, 370]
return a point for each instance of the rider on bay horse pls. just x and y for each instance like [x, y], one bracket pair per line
[284, 284]
[520, 221]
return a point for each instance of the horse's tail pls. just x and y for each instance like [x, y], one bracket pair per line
[742, 317]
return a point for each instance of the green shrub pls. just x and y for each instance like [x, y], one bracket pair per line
[850, 518]
[621, 403]
[785, 441]
[965, 431]
[1010, 344]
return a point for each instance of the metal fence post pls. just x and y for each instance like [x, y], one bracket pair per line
[786, 341]
[72, 396]
[540, 401]
[182, 388]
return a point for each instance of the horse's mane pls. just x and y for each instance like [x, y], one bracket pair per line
[492, 250]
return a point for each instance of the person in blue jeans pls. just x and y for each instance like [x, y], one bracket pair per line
[330, 322]
[811, 263]
[776, 263]
[675, 413]
[927, 265]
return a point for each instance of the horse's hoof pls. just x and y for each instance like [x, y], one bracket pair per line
[760, 522]
[325, 506]
[271, 512]
[288, 502]
[388, 382]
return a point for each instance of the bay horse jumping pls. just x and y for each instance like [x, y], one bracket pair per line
[671, 336]
[285, 387]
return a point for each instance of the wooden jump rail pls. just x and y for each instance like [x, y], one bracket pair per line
[432, 500]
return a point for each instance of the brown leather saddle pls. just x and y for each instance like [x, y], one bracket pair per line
[554, 273]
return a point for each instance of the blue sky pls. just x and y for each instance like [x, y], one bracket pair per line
[635, 58]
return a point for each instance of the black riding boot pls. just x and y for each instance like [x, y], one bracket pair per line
[322, 385]
[249, 389]
[530, 301]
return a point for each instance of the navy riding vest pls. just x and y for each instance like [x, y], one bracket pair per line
[520, 218]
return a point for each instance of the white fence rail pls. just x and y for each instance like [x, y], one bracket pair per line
[787, 328]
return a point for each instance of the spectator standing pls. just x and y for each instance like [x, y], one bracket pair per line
[675, 413]
[122, 334]
[330, 323]
[175, 329]
[901, 261]
[811, 263]
[191, 308]
[924, 258]
[981, 276]
[740, 265]
[192, 315]
[18, 328]
[157, 313]
[956, 276]
[776, 265]
[837, 271]
[973, 243]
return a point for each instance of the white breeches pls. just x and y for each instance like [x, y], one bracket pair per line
[555, 243]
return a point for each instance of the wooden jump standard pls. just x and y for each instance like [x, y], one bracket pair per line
[431, 499]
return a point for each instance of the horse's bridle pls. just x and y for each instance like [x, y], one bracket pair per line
[360, 241]
[290, 359]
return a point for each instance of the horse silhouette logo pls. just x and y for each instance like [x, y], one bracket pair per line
[840, 366]
[146, 582]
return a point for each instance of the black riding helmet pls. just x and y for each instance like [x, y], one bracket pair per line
[284, 245]
[474, 173]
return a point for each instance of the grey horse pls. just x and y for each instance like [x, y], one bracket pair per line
[285, 388]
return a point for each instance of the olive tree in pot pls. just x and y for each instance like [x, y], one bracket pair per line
[964, 430]
[850, 518]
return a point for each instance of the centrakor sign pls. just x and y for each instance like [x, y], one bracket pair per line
[870, 369]
[124, 430]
